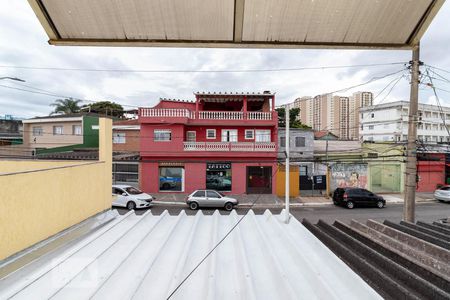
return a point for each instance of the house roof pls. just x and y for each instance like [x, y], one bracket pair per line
[225, 23]
[149, 256]
[323, 133]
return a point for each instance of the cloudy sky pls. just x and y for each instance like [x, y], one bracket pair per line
[23, 43]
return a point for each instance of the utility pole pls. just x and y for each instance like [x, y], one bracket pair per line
[328, 170]
[287, 147]
[411, 148]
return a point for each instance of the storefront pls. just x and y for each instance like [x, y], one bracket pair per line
[218, 176]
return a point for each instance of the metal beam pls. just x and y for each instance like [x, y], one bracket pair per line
[239, 6]
[223, 44]
[45, 20]
[429, 15]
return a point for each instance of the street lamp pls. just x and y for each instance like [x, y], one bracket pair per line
[12, 78]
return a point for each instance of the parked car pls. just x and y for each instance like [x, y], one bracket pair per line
[210, 198]
[443, 193]
[351, 197]
[130, 197]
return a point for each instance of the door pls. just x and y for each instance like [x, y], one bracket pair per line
[259, 180]
[199, 197]
[213, 199]
[367, 198]
[120, 199]
[229, 135]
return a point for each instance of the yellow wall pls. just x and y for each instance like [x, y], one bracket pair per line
[40, 198]
[293, 181]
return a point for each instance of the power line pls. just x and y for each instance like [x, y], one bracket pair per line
[202, 71]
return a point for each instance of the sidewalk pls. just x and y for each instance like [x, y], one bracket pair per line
[272, 201]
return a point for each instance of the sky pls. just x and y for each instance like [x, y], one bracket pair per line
[23, 42]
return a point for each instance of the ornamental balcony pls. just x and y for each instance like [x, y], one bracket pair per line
[204, 115]
[230, 146]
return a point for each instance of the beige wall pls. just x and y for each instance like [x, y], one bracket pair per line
[41, 198]
[47, 139]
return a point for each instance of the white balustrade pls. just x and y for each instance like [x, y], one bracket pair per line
[166, 112]
[221, 115]
[233, 146]
[258, 115]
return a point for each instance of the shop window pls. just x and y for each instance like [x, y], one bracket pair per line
[163, 135]
[210, 133]
[171, 179]
[249, 134]
[218, 176]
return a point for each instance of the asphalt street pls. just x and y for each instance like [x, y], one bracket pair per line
[429, 211]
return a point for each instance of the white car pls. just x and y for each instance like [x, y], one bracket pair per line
[130, 197]
[443, 194]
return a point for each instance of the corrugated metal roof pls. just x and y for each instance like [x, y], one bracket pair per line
[237, 23]
[146, 257]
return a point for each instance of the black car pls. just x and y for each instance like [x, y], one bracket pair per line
[351, 197]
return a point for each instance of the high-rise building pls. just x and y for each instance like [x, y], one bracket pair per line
[337, 114]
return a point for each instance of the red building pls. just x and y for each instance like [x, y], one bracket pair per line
[226, 142]
[430, 171]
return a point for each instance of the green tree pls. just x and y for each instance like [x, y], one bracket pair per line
[65, 106]
[294, 122]
[105, 108]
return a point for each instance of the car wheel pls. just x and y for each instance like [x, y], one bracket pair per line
[380, 204]
[193, 205]
[131, 205]
[228, 206]
[350, 204]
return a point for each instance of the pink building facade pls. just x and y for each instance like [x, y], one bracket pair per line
[225, 142]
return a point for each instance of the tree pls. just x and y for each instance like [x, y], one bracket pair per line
[293, 118]
[105, 108]
[65, 106]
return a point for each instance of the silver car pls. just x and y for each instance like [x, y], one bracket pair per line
[210, 198]
[443, 194]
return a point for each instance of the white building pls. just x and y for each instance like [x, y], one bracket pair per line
[389, 122]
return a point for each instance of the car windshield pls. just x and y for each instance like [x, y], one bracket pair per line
[132, 190]
[221, 195]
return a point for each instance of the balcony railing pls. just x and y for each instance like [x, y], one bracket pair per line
[204, 115]
[230, 146]
[166, 112]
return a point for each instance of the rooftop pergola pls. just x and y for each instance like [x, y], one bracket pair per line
[385, 24]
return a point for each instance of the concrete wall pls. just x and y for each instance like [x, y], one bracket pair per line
[41, 198]
[297, 152]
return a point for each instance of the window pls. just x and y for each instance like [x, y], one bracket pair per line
[372, 115]
[210, 133]
[299, 141]
[37, 131]
[200, 194]
[249, 134]
[171, 179]
[303, 170]
[76, 130]
[262, 136]
[119, 138]
[126, 173]
[57, 130]
[282, 141]
[191, 136]
[229, 135]
[218, 176]
[370, 127]
[212, 194]
[162, 135]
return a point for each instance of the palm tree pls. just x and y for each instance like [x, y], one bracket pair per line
[66, 106]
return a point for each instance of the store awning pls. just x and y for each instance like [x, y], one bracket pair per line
[385, 24]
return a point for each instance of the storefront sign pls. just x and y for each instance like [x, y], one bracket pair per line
[218, 166]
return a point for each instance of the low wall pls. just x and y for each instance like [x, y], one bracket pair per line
[41, 198]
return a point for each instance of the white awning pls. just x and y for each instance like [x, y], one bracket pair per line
[237, 23]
